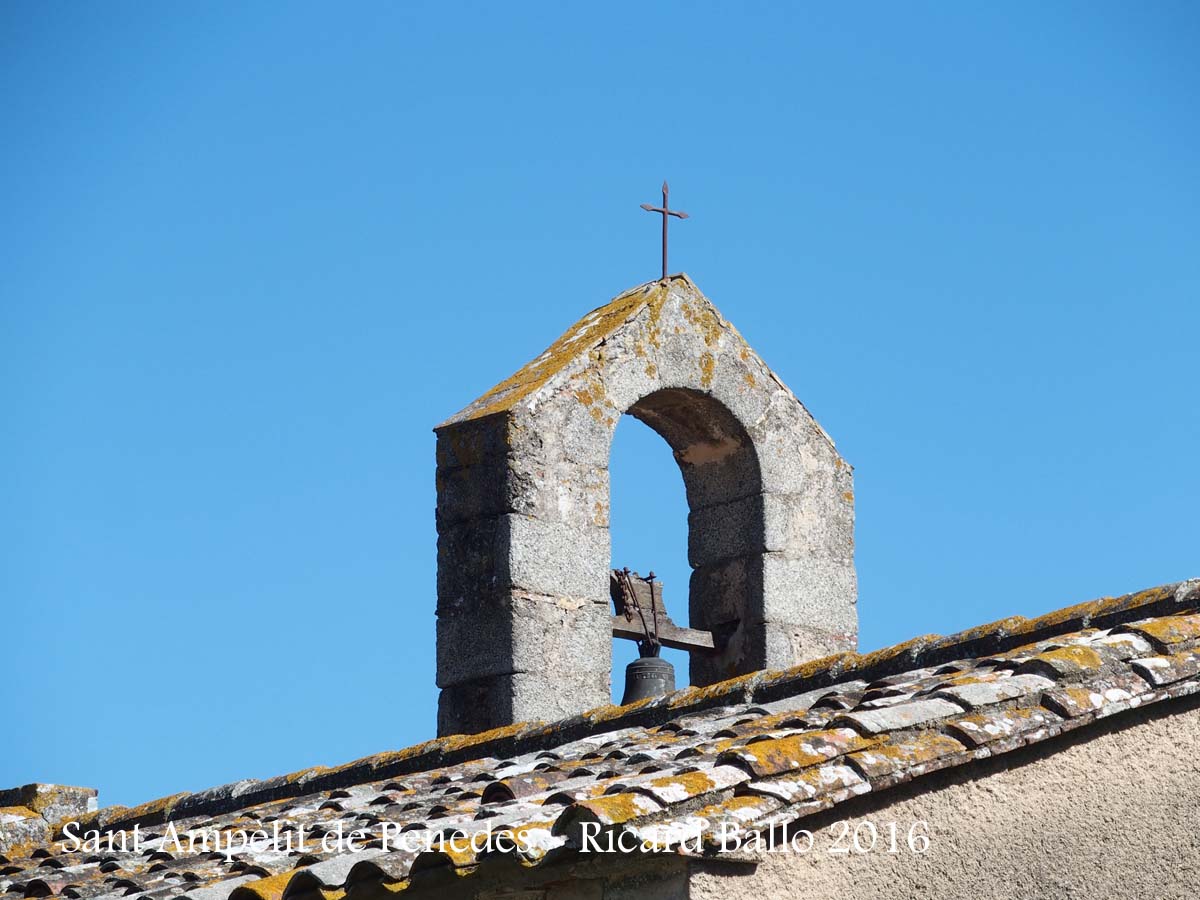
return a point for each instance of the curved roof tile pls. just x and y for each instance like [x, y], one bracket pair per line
[760, 751]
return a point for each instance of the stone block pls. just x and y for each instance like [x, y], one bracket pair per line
[474, 646]
[470, 492]
[726, 531]
[555, 559]
[791, 446]
[815, 523]
[472, 443]
[52, 802]
[819, 521]
[744, 385]
[472, 565]
[475, 706]
[576, 495]
[787, 611]
[820, 593]
[726, 592]
[20, 825]
[755, 646]
[552, 695]
[523, 633]
[558, 634]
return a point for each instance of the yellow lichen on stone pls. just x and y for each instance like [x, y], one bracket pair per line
[529, 837]
[270, 888]
[654, 319]
[153, 808]
[1061, 616]
[460, 853]
[1009, 625]
[1074, 658]
[876, 657]
[611, 711]
[1141, 598]
[729, 687]
[787, 754]
[704, 320]
[689, 784]
[457, 742]
[708, 366]
[615, 809]
[581, 338]
[888, 756]
[414, 750]
[838, 662]
[1171, 629]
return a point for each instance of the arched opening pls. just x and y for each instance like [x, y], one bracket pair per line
[648, 524]
[710, 567]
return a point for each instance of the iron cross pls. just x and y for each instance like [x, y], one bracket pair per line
[665, 210]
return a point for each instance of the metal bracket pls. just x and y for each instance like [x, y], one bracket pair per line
[646, 605]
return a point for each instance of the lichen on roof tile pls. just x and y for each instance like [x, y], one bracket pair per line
[1101, 695]
[787, 754]
[892, 756]
[576, 340]
[1168, 631]
[904, 715]
[758, 750]
[811, 783]
[980, 728]
[1071, 662]
[1160, 670]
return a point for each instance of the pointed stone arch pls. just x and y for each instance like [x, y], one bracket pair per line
[522, 513]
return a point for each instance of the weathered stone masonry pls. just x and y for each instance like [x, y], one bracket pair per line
[523, 499]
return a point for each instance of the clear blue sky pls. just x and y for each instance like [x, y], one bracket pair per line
[251, 253]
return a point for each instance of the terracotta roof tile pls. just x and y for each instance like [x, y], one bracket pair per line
[764, 749]
[811, 783]
[978, 729]
[1160, 670]
[904, 753]
[902, 715]
[1168, 631]
[787, 754]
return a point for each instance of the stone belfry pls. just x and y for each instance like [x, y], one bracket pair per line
[523, 612]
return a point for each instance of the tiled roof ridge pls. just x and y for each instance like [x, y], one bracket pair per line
[759, 687]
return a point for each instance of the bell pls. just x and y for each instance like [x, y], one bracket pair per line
[649, 676]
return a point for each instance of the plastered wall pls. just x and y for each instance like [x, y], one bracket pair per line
[1114, 816]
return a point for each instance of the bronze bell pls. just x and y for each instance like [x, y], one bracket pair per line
[640, 600]
[649, 676]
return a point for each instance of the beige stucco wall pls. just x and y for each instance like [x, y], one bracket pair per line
[1117, 816]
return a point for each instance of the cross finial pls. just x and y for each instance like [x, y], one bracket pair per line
[665, 210]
